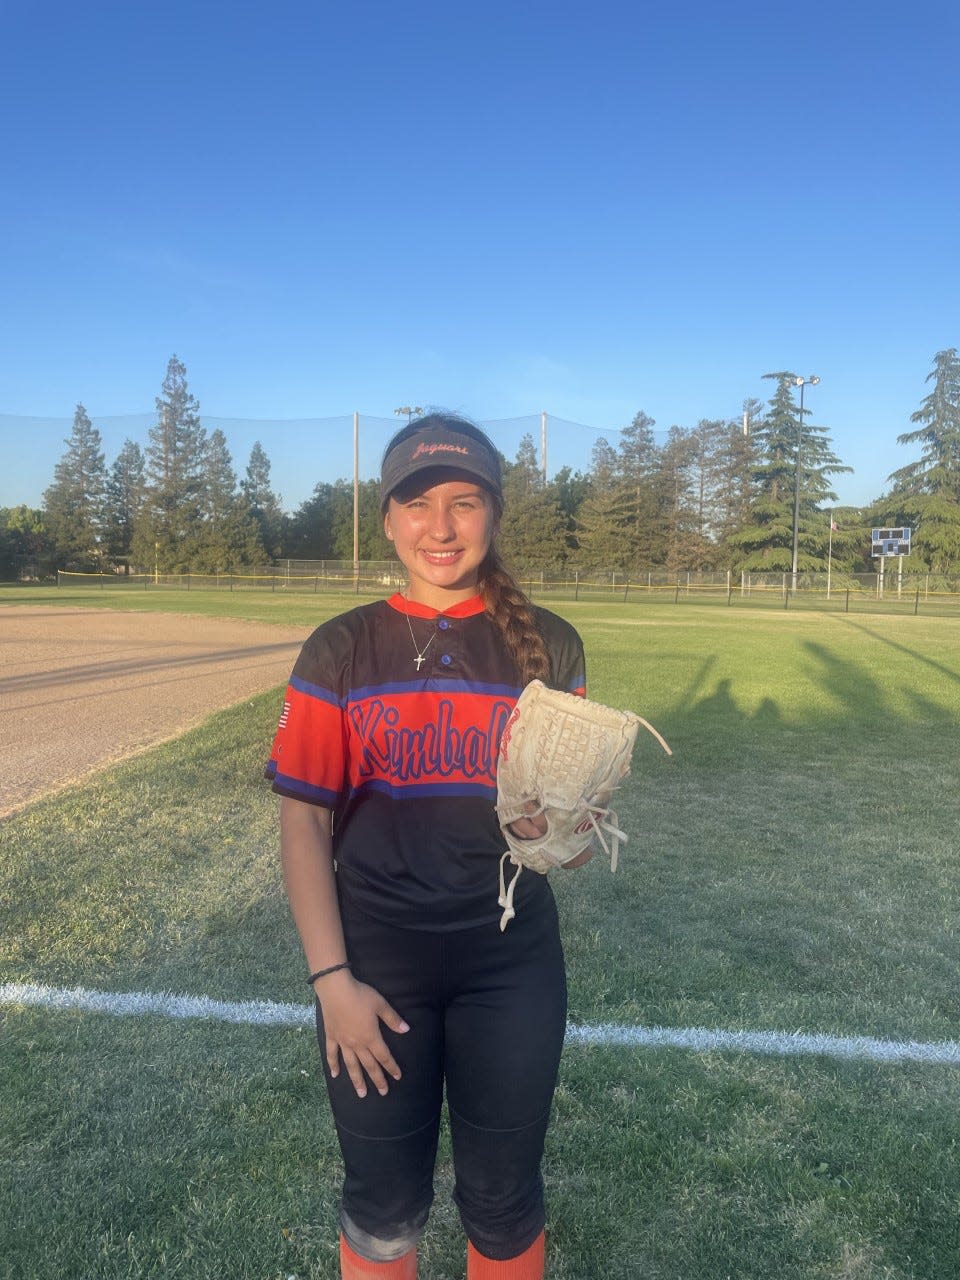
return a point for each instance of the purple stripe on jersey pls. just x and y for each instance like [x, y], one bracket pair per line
[431, 685]
[412, 790]
[314, 690]
[297, 789]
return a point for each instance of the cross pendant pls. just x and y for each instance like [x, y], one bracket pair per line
[419, 660]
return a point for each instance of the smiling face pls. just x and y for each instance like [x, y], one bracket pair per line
[441, 534]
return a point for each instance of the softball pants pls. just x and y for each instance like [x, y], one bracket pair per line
[487, 1014]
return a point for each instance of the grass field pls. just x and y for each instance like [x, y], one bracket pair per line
[793, 867]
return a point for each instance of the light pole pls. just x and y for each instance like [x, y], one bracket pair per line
[801, 383]
[409, 410]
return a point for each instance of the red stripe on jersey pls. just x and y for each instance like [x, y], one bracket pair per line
[308, 751]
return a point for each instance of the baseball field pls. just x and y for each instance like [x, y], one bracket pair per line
[763, 1069]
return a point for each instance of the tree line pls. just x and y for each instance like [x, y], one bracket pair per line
[710, 497]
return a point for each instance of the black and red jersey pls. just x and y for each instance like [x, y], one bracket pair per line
[404, 753]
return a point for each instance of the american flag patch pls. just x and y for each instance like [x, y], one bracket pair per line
[284, 715]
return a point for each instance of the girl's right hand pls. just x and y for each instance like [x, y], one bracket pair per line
[352, 1013]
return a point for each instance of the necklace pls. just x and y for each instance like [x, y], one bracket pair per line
[421, 653]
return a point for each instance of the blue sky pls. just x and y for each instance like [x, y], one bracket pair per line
[587, 209]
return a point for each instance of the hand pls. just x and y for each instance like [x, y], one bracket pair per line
[529, 828]
[536, 825]
[582, 857]
[352, 1013]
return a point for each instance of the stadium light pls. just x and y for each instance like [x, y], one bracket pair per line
[801, 383]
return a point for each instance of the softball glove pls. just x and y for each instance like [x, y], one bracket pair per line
[561, 756]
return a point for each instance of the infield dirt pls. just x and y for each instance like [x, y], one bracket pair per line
[84, 688]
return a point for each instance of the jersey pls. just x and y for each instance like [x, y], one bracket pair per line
[404, 752]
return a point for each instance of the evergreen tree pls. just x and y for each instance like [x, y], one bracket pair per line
[262, 503]
[605, 531]
[736, 465]
[532, 528]
[569, 488]
[123, 501]
[167, 531]
[74, 502]
[938, 469]
[637, 454]
[604, 525]
[683, 480]
[637, 472]
[926, 493]
[227, 536]
[603, 462]
[766, 540]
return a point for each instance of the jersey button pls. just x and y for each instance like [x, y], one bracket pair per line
[443, 624]
[446, 659]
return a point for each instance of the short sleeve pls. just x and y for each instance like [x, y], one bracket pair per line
[308, 757]
[568, 668]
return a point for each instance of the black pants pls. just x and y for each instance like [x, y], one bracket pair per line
[487, 1014]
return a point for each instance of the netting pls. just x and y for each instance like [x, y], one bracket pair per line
[302, 451]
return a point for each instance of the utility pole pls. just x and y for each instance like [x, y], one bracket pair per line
[356, 494]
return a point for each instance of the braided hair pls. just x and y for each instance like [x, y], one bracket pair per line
[505, 603]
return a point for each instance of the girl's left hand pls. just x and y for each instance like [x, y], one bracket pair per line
[536, 825]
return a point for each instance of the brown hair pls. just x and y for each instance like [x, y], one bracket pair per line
[505, 603]
[511, 612]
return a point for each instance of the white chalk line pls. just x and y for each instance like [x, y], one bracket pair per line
[604, 1035]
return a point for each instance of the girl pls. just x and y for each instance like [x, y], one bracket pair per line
[385, 759]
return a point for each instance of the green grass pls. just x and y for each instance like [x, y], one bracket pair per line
[792, 867]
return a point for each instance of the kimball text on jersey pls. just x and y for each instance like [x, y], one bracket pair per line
[435, 750]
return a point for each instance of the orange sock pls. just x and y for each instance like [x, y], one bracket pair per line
[527, 1266]
[353, 1267]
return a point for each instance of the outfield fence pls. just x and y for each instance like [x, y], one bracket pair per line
[927, 593]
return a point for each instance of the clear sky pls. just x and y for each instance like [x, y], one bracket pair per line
[590, 209]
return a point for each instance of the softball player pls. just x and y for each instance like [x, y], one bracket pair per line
[385, 759]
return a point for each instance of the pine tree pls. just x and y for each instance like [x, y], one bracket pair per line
[926, 493]
[262, 503]
[683, 483]
[569, 488]
[123, 501]
[766, 540]
[227, 537]
[604, 525]
[938, 469]
[532, 528]
[638, 459]
[736, 463]
[167, 532]
[603, 462]
[74, 502]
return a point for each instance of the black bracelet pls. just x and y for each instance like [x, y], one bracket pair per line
[322, 973]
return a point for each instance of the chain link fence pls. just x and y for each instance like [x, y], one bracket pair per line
[859, 592]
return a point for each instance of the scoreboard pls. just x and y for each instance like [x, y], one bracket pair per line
[889, 542]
